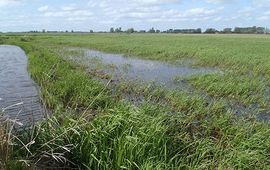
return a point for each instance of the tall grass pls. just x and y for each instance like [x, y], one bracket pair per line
[7, 139]
[196, 135]
[4, 143]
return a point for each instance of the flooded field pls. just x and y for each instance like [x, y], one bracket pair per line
[130, 68]
[18, 93]
[112, 111]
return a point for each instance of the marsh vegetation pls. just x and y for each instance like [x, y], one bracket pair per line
[215, 120]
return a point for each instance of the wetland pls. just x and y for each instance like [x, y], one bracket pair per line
[191, 91]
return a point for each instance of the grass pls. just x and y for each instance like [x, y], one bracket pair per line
[7, 137]
[92, 128]
[3, 145]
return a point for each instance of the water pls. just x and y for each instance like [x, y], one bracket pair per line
[18, 93]
[146, 70]
[158, 72]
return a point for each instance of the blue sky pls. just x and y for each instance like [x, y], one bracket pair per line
[25, 15]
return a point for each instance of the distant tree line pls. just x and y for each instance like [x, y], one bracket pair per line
[236, 30]
[132, 30]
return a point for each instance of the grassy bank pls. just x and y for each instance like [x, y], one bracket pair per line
[93, 129]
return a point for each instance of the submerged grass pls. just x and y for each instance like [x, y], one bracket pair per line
[183, 132]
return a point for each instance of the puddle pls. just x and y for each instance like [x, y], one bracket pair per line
[18, 92]
[128, 68]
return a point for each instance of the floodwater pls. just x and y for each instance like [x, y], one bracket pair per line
[18, 92]
[130, 68]
[168, 75]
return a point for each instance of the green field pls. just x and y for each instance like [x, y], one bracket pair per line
[93, 127]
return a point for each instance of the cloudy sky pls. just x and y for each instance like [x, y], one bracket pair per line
[25, 15]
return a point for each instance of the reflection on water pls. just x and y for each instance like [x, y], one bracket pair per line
[18, 93]
[146, 70]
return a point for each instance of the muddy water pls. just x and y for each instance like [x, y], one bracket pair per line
[146, 70]
[18, 93]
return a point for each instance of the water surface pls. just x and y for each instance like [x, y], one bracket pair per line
[161, 73]
[18, 92]
[130, 68]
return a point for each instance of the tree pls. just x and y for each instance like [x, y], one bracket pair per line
[118, 29]
[157, 31]
[267, 30]
[130, 30]
[227, 30]
[237, 30]
[210, 31]
[260, 30]
[198, 31]
[254, 30]
[245, 30]
[112, 30]
[170, 31]
[152, 30]
[91, 31]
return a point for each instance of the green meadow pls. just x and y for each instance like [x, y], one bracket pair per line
[220, 122]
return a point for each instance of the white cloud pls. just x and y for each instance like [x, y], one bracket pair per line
[215, 1]
[43, 8]
[141, 14]
[9, 2]
[68, 13]
[202, 11]
[219, 1]
[267, 13]
[150, 11]
[261, 3]
[246, 12]
[265, 16]
[156, 2]
[106, 3]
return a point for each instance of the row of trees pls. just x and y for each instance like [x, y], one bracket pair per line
[132, 30]
[238, 30]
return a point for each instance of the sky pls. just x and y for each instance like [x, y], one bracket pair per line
[101, 15]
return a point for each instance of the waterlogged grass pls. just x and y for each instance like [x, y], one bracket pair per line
[243, 89]
[64, 86]
[93, 128]
[245, 57]
[238, 52]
